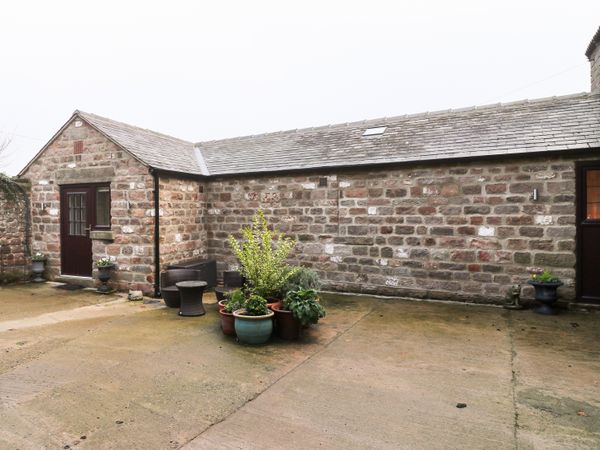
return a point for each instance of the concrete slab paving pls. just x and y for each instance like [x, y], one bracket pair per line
[374, 374]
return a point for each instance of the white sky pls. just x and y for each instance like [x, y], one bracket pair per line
[214, 69]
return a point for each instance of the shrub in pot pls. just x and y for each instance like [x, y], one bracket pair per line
[262, 253]
[301, 278]
[235, 300]
[253, 322]
[545, 286]
[299, 308]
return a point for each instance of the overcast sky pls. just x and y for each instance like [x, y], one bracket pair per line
[209, 70]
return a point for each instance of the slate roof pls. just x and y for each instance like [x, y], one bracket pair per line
[551, 124]
[530, 126]
[153, 149]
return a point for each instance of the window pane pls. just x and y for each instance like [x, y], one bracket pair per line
[592, 180]
[103, 207]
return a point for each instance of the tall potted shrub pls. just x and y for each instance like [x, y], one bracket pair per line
[253, 322]
[262, 253]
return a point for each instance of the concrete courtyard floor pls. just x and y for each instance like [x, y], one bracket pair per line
[85, 371]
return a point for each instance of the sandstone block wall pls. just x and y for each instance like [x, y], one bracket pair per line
[462, 231]
[99, 160]
[182, 229]
[14, 249]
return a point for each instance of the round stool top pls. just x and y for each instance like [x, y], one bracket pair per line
[191, 284]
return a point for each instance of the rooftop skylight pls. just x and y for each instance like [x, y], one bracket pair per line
[375, 131]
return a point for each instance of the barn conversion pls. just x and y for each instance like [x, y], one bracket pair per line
[456, 204]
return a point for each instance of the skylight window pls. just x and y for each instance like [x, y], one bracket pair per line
[376, 131]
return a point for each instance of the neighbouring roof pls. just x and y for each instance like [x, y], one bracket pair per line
[551, 124]
[529, 126]
[593, 44]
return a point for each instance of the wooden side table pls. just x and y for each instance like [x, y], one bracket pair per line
[190, 293]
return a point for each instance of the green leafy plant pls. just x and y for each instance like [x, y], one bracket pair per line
[38, 256]
[235, 300]
[9, 277]
[104, 262]
[545, 277]
[262, 253]
[304, 305]
[302, 278]
[256, 306]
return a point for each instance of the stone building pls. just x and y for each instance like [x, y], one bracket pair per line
[456, 204]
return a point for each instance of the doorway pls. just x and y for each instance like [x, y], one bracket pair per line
[588, 231]
[83, 208]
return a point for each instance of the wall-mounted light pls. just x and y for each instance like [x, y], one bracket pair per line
[535, 195]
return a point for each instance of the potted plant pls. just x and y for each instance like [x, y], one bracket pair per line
[253, 323]
[545, 285]
[301, 278]
[299, 308]
[235, 300]
[262, 253]
[38, 265]
[105, 267]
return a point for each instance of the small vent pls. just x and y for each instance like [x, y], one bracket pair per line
[376, 131]
[78, 147]
[323, 182]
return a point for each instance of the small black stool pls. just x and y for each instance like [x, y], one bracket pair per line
[190, 293]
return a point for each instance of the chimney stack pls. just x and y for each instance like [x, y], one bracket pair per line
[593, 54]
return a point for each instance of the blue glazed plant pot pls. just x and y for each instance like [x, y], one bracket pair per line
[253, 329]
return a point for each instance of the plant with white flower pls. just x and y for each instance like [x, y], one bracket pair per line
[38, 256]
[105, 261]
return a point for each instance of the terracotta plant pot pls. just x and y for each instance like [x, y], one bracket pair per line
[287, 326]
[253, 329]
[227, 323]
[221, 304]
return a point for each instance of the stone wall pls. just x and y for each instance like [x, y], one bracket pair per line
[595, 69]
[182, 230]
[97, 160]
[460, 231]
[14, 249]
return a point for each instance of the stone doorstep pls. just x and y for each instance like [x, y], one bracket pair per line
[72, 279]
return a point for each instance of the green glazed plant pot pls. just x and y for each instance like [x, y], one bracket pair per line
[253, 329]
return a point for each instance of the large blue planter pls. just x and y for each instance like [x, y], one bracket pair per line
[253, 329]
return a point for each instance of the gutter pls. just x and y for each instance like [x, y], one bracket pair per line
[156, 193]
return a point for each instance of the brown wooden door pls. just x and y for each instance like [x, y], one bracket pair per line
[76, 218]
[588, 232]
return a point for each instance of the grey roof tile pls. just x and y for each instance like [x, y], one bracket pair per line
[153, 149]
[550, 124]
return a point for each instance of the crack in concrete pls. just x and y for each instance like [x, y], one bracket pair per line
[325, 347]
[513, 380]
